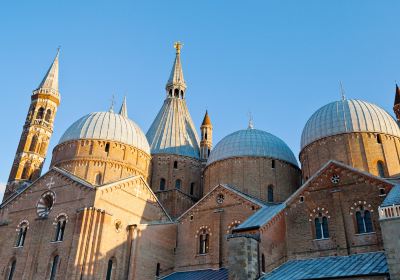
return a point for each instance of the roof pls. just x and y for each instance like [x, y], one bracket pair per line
[50, 80]
[107, 126]
[206, 120]
[332, 267]
[206, 274]
[176, 76]
[173, 131]
[345, 116]
[261, 217]
[254, 143]
[393, 198]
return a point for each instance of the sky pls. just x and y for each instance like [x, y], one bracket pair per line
[280, 60]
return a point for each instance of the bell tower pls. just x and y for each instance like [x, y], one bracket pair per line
[396, 107]
[206, 129]
[36, 133]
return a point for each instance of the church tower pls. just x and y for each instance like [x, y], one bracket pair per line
[396, 107]
[36, 133]
[206, 130]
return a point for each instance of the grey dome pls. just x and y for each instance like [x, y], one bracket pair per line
[107, 126]
[252, 142]
[345, 116]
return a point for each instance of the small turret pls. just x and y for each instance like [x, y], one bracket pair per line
[206, 129]
[396, 107]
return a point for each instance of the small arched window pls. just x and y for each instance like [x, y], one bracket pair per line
[158, 269]
[178, 184]
[107, 148]
[98, 179]
[182, 94]
[204, 242]
[175, 164]
[61, 223]
[23, 229]
[25, 172]
[321, 227]
[364, 221]
[192, 185]
[162, 184]
[273, 163]
[205, 135]
[381, 168]
[176, 92]
[48, 115]
[170, 93]
[263, 263]
[40, 113]
[270, 194]
[54, 267]
[110, 267]
[379, 139]
[32, 147]
[11, 270]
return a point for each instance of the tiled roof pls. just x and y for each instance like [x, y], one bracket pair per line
[347, 116]
[331, 267]
[393, 198]
[262, 216]
[206, 274]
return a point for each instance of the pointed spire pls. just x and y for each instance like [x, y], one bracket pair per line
[206, 120]
[342, 91]
[111, 110]
[251, 123]
[176, 79]
[50, 80]
[397, 96]
[124, 109]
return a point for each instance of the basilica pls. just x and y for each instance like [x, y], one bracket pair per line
[119, 203]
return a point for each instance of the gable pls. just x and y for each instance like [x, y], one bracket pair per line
[222, 196]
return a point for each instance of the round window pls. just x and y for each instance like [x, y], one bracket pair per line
[45, 204]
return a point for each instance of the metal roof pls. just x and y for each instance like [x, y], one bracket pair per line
[206, 274]
[262, 216]
[252, 142]
[173, 131]
[334, 267]
[393, 198]
[107, 126]
[348, 115]
[50, 80]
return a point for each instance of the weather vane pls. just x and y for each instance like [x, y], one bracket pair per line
[178, 45]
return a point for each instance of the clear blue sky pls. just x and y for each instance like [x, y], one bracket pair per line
[281, 60]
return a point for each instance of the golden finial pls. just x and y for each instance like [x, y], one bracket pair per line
[178, 45]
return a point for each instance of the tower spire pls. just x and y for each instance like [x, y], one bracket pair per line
[396, 107]
[206, 130]
[124, 109]
[176, 85]
[50, 80]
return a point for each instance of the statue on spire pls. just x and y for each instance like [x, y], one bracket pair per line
[178, 45]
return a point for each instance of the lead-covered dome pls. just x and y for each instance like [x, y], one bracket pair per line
[107, 126]
[254, 143]
[346, 116]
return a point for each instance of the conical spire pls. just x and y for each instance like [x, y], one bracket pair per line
[50, 80]
[397, 96]
[176, 79]
[124, 109]
[206, 120]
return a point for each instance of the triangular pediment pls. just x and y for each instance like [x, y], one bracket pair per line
[222, 196]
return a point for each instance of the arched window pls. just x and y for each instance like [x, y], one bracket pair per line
[34, 141]
[381, 169]
[109, 269]
[11, 270]
[178, 184]
[270, 194]
[175, 164]
[170, 93]
[204, 242]
[205, 135]
[25, 172]
[263, 263]
[158, 269]
[364, 221]
[182, 94]
[379, 139]
[321, 227]
[107, 148]
[61, 223]
[162, 184]
[54, 267]
[40, 113]
[273, 163]
[192, 185]
[98, 179]
[176, 92]
[23, 228]
[48, 115]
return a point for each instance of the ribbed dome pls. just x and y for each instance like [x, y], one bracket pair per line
[252, 142]
[347, 116]
[107, 126]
